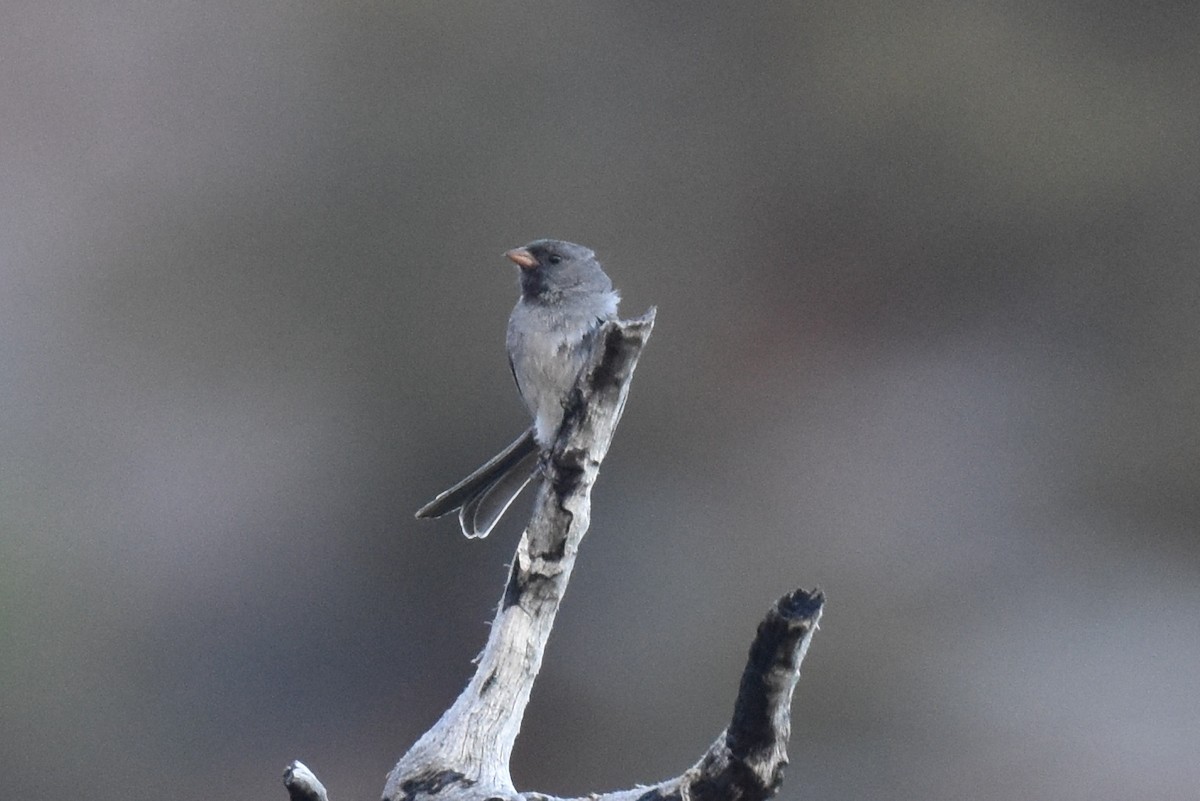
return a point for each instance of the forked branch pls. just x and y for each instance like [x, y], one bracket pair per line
[465, 755]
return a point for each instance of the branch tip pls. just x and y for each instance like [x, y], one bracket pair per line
[302, 783]
[801, 604]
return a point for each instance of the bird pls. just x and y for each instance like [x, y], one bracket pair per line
[565, 296]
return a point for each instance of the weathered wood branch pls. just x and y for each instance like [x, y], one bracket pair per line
[470, 746]
[465, 755]
[746, 762]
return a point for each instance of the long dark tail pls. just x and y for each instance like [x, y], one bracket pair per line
[482, 497]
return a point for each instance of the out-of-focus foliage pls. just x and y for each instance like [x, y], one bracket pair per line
[928, 337]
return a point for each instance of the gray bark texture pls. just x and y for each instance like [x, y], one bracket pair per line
[465, 755]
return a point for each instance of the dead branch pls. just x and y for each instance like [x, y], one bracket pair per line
[465, 755]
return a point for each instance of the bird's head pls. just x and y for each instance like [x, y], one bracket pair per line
[550, 268]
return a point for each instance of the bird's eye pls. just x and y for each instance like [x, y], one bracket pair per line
[555, 259]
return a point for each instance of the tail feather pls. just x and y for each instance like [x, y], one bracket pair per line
[483, 496]
[479, 515]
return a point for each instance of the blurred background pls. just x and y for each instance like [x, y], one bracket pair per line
[928, 338]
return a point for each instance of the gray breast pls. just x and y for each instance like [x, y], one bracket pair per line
[547, 346]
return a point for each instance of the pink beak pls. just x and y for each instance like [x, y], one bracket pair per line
[522, 258]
